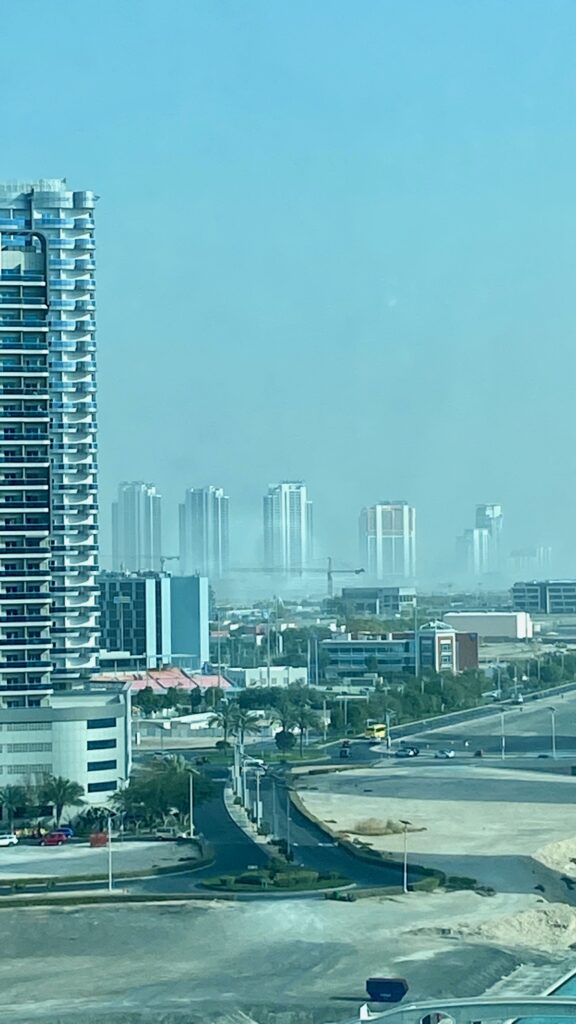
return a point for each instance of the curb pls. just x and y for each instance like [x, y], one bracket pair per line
[241, 819]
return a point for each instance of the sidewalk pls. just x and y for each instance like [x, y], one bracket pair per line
[240, 818]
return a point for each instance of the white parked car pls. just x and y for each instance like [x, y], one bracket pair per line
[444, 755]
[8, 839]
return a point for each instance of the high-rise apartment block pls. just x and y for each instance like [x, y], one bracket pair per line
[48, 513]
[490, 518]
[204, 532]
[137, 528]
[287, 527]
[388, 540]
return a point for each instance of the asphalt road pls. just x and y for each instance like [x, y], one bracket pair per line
[527, 731]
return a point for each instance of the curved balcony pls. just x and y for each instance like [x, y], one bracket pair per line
[87, 324]
[84, 223]
[16, 223]
[62, 243]
[63, 284]
[85, 284]
[62, 304]
[84, 244]
[85, 305]
[46, 221]
[85, 264]
[57, 264]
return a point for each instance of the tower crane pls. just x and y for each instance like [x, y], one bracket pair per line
[330, 572]
[168, 558]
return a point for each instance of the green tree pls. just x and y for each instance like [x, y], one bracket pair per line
[245, 722]
[285, 740]
[13, 799]
[161, 791]
[284, 712]
[304, 718]
[61, 793]
[224, 718]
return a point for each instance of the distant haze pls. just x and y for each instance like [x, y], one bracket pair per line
[335, 243]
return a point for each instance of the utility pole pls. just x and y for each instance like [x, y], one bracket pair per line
[502, 737]
[274, 811]
[405, 864]
[288, 841]
[324, 721]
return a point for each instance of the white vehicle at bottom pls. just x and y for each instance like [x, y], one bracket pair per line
[444, 755]
[8, 839]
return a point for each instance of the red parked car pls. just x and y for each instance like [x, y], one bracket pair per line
[54, 839]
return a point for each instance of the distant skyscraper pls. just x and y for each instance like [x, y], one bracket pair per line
[473, 549]
[287, 526]
[490, 518]
[388, 540]
[204, 532]
[48, 473]
[136, 528]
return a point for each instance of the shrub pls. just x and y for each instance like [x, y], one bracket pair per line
[426, 884]
[460, 882]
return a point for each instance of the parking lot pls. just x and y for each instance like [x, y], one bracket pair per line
[78, 858]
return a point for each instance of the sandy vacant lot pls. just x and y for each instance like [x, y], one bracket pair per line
[496, 826]
[302, 961]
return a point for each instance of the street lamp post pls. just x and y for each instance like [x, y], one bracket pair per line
[553, 725]
[109, 854]
[405, 865]
[191, 802]
[502, 737]
[258, 805]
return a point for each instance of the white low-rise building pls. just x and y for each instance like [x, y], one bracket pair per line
[493, 625]
[275, 675]
[82, 734]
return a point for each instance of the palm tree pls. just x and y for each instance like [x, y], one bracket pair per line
[13, 799]
[305, 718]
[225, 719]
[285, 713]
[61, 793]
[245, 721]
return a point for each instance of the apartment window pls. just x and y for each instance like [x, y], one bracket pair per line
[102, 787]
[101, 723]
[29, 748]
[102, 766]
[29, 769]
[29, 726]
[101, 744]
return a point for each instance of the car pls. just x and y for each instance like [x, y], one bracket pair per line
[54, 839]
[66, 830]
[444, 755]
[407, 752]
[8, 839]
[253, 762]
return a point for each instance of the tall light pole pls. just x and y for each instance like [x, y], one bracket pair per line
[502, 737]
[191, 802]
[258, 773]
[109, 854]
[553, 725]
[416, 642]
[405, 865]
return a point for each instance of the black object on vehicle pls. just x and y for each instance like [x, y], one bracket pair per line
[386, 990]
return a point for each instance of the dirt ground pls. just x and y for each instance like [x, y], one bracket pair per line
[290, 961]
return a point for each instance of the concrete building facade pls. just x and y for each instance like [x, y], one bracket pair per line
[382, 602]
[204, 532]
[493, 625]
[287, 527]
[48, 473]
[387, 533]
[82, 734]
[137, 528]
[135, 619]
[545, 597]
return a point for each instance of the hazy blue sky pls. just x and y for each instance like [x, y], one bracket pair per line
[336, 242]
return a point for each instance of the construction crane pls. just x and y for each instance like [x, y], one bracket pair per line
[329, 572]
[168, 558]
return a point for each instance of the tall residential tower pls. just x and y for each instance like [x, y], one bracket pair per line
[137, 528]
[48, 500]
[388, 540]
[287, 527]
[204, 532]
